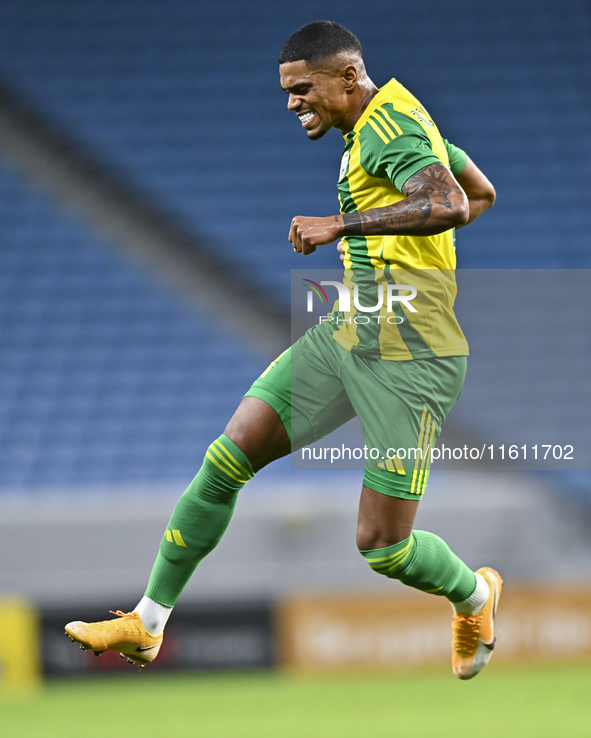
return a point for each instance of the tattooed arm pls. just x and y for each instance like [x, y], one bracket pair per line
[434, 203]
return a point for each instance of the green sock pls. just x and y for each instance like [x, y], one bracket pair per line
[199, 520]
[424, 561]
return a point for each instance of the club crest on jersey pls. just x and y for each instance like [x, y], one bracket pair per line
[344, 162]
[423, 116]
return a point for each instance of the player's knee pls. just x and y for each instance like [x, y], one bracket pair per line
[368, 539]
[392, 561]
[257, 430]
[372, 537]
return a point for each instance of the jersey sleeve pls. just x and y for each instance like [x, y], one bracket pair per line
[395, 148]
[457, 158]
[405, 156]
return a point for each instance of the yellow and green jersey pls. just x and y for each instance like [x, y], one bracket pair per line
[393, 139]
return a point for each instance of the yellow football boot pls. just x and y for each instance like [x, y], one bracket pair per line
[125, 634]
[473, 636]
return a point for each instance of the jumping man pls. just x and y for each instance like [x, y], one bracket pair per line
[403, 190]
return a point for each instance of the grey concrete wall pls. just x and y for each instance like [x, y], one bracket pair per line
[287, 535]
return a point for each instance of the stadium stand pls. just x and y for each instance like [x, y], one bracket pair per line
[104, 376]
[182, 101]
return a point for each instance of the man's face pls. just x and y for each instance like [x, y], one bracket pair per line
[317, 95]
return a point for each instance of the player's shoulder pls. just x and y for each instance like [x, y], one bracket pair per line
[385, 124]
[387, 134]
[392, 113]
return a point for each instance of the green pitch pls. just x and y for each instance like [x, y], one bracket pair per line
[504, 702]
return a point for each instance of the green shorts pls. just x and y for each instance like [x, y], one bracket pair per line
[316, 386]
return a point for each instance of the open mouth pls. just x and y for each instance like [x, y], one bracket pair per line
[306, 117]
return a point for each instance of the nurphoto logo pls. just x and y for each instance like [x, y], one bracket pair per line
[385, 294]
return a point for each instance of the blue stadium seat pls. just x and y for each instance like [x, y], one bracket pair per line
[181, 100]
[104, 376]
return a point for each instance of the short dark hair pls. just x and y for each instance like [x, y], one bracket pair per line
[319, 40]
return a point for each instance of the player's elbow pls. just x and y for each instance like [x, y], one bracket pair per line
[490, 196]
[462, 216]
[460, 210]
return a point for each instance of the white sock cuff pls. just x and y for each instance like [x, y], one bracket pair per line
[477, 599]
[153, 615]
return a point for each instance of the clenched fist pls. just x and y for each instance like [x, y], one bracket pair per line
[307, 233]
